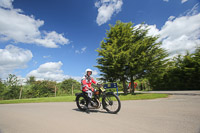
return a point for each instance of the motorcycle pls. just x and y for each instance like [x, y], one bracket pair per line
[110, 101]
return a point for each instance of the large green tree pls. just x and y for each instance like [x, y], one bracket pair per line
[113, 52]
[128, 53]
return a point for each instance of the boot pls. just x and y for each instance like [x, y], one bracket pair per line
[87, 110]
[87, 105]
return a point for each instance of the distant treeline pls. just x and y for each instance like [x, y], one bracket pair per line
[12, 88]
[182, 73]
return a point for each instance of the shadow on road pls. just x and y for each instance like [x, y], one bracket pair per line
[91, 111]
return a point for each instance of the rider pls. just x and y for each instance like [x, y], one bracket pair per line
[86, 83]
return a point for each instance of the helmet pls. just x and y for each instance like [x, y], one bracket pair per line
[88, 70]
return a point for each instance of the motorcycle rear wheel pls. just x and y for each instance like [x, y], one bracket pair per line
[81, 102]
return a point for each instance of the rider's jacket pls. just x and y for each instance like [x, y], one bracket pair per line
[86, 82]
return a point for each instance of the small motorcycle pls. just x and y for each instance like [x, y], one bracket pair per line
[110, 101]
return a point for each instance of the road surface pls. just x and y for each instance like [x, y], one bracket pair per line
[176, 114]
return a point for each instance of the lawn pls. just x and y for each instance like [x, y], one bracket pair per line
[122, 97]
[139, 96]
[40, 100]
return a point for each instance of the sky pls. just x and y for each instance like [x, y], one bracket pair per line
[58, 39]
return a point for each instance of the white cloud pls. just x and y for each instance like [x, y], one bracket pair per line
[48, 71]
[166, 0]
[94, 73]
[51, 40]
[16, 26]
[152, 30]
[48, 56]
[51, 71]
[6, 3]
[191, 12]
[106, 8]
[171, 18]
[179, 34]
[183, 1]
[186, 25]
[12, 58]
[83, 50]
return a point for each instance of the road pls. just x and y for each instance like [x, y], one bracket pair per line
[176, 114]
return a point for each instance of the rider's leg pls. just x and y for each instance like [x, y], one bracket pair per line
[89, 93]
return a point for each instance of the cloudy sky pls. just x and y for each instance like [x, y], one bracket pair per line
[56, 40]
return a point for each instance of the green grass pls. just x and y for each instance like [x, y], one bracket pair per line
[40, 100]
[139, 96]
[122, 97]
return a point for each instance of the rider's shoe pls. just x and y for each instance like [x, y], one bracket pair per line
[87, 110]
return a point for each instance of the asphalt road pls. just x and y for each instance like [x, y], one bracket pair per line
[176, 114]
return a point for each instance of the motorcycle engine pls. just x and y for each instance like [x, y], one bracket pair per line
[97, 104]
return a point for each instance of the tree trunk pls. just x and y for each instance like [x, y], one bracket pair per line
[55, 90]
[20, 93]
[125, 87]
[132, 86]
[72, 90]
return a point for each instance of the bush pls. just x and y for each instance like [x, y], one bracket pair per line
[65, 87]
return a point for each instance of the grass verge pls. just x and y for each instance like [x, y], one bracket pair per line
[139, 96]
[122, 97]
[40, 100]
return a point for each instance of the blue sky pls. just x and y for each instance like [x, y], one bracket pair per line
[57, 39]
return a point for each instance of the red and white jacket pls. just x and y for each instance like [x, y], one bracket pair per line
[86, 83]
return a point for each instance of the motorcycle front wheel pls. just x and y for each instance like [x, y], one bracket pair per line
[111, 103]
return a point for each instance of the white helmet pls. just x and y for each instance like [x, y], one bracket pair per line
[88, 70]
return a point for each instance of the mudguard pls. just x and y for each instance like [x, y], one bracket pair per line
[80, 94]
[77, 94]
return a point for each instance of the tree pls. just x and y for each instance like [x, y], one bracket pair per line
[196, 75]
[129, 54]
[12, 88]
[2, 87]
[145, 55]
[30, 80]
[182, 73]
[67, 84]
[113, 54]
[43, 88]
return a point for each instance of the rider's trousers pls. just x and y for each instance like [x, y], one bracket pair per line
[89, 92]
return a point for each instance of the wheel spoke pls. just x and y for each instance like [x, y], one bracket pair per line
[112, 103]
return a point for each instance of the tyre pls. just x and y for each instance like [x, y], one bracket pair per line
[81, 102]
[111, 103]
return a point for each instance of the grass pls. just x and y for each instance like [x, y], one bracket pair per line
[122, 97]
[40, 100]
[139, 96]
